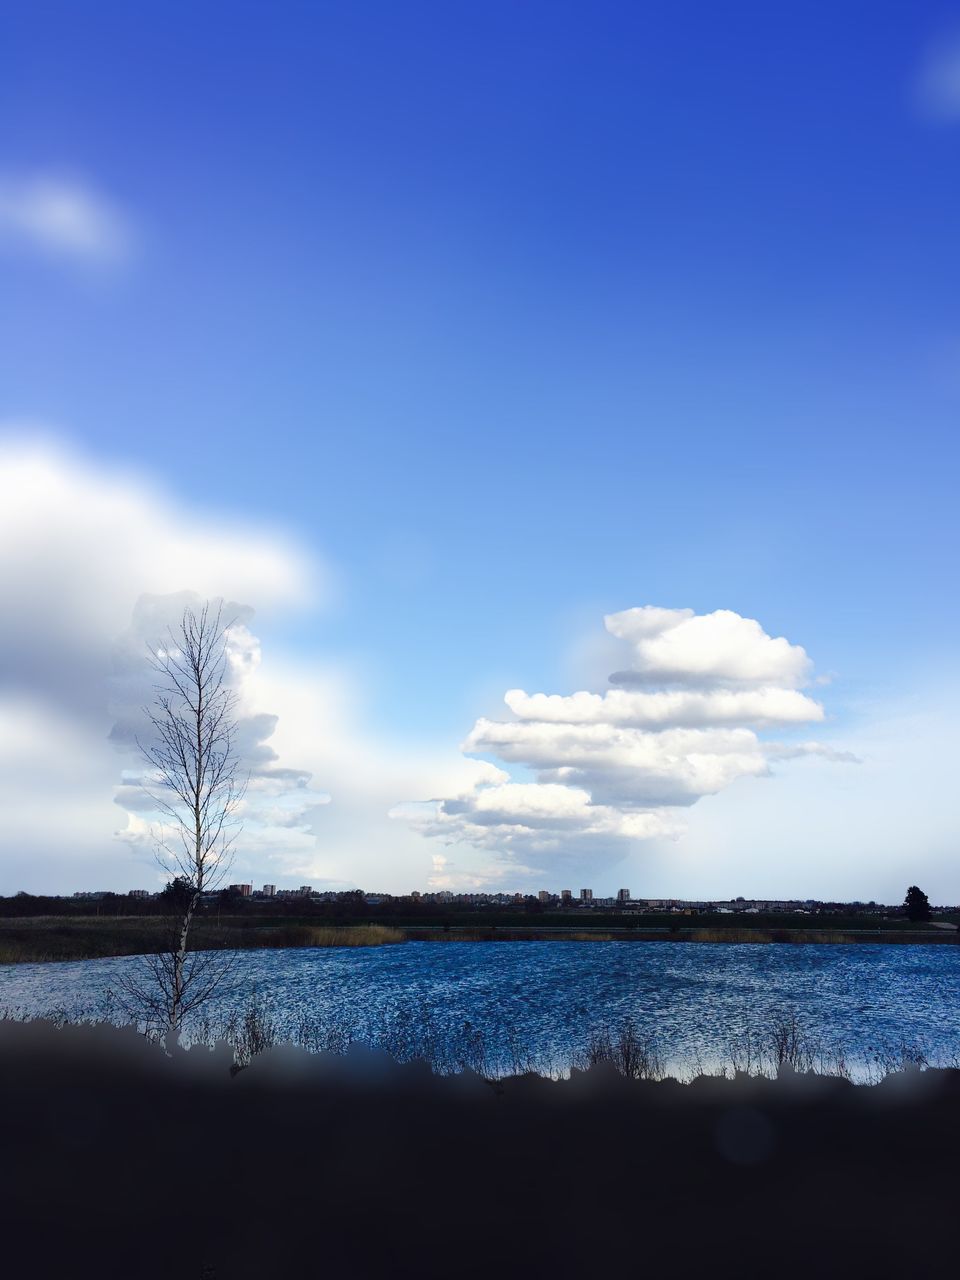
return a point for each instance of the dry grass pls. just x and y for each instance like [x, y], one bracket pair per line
[34, 940]
[19, 955]
[587, 937]
[825, 936]
[40, 939]
[730, 935]
[776, 935]
[358, 935]
[633, 1054]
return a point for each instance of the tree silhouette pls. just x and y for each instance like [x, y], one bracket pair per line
[916, 904]
[197, 790]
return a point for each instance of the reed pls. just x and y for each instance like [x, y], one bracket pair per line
[730, 935]
[307, 935]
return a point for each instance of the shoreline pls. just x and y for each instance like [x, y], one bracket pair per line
[41, 939]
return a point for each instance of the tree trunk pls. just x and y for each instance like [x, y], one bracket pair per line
[179, 961]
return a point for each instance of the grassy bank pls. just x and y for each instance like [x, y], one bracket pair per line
[672, 933]
[47, 938]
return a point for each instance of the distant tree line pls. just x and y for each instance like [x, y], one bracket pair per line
[349, 907]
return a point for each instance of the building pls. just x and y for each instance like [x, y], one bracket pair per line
[586, 895]
[269, 890]
[566, 896]
[244, 890]
[623, 896]
[139, 893]
[544, 895]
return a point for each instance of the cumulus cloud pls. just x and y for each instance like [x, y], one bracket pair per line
[95, 563]
[79, 545]
[614, 768]
[536, 817]
[627, 766]
[326, 725]
[278, 799]
[766, 707]
[62, 216]
[677, 646]
[91, 564]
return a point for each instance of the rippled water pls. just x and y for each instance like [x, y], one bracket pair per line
[548, 997]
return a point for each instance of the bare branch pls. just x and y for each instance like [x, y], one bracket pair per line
[195, 765]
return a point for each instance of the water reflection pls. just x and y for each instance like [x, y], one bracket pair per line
[544, 1000]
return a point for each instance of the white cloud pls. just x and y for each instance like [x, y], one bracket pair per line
[536, 818]
[629, 766]
[279, 799]
[615, 768]
[80, 545]
[92, 562]
[677, 646]
[82, 552]
[668, 708]
[324, 725]
[57, 776]
[63, 216]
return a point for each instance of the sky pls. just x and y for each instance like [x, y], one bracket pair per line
[475, 353]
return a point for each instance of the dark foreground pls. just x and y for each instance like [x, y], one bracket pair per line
[120, 1161]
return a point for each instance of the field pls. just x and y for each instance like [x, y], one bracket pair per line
[41, 938]
[31, 939]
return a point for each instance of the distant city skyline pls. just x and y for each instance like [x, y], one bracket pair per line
[566, 412]
[623, 898]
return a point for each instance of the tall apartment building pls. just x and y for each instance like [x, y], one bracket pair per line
[586, 895]
[566, 895]
[623, 895]
[269, 890]
[544, 895]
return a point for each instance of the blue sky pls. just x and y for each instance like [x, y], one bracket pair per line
[517, 316]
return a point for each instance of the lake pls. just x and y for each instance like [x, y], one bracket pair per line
[538, 1003]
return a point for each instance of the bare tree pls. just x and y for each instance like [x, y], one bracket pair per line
[197, 789]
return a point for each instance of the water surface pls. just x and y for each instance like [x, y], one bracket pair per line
[540, 1002]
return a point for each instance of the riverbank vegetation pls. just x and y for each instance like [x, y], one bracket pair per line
[777, 1045]
[33, 939]
[50, 938]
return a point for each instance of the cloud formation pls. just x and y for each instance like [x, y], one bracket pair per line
[91, 562]
[278, 799]
[665, 708]
[684, 721]
[95, 562]
[80, 545]
[679, 647]
[62, 216]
